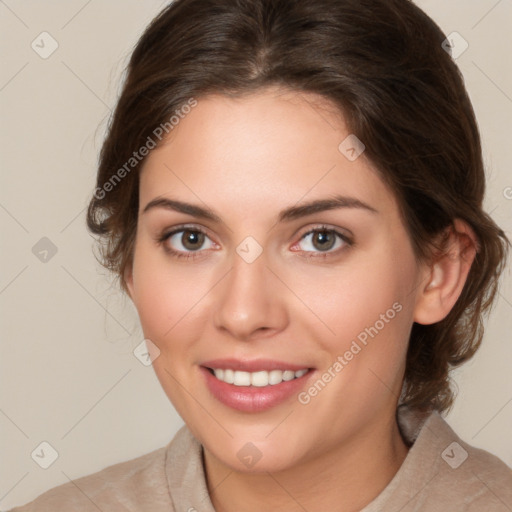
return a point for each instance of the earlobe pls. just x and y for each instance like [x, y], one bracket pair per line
[446, 275]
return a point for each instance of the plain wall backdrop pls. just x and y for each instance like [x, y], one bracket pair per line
[68, 373]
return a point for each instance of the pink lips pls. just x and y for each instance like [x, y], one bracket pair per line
[253, 366]
[251, 398]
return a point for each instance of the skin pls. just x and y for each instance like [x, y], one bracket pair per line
[247, 159]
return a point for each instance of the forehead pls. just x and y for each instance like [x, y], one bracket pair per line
[271, 148]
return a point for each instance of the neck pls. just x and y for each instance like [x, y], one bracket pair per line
[346, 478]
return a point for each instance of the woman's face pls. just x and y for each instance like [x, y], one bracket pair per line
[268, 286]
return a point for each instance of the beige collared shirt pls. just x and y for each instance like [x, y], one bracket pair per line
[441, 473]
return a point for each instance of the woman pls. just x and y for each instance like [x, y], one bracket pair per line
[291, 194]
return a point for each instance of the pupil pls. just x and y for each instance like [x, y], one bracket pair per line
[323, 237]
[191, 238]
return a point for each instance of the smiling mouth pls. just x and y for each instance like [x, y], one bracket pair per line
[256, 379]
[254, 386]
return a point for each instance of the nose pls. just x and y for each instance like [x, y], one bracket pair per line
[251, 300]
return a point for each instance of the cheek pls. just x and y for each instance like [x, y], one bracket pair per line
[368, 310]
[357, 297]
[370, 317]
[167, 298]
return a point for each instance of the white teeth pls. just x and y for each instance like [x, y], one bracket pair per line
[275, 377]
[257, 379]
[288, 375]
[229, 376]
[242, 378]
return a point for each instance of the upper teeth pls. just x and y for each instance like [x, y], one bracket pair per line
[259, 379]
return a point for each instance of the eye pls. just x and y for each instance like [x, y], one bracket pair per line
[188, 242]
[323, 241]
[185, 241]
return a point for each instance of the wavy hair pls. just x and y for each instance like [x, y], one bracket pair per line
[381, 62]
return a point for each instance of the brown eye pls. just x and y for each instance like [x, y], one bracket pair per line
[192, 240]
[186, 240]
[323, 241]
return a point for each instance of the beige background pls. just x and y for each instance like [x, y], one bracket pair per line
[68, 375]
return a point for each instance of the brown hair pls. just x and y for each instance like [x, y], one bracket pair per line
[381, 62]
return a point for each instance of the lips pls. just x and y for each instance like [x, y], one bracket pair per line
[254, 386]
[254, 365]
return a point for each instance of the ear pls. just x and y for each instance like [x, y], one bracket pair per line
[446, 275]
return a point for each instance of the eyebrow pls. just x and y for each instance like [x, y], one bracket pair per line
[288, 214]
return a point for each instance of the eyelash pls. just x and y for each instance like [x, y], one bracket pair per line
[194, 254]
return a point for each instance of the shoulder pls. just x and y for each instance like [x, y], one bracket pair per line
[136, 484]
[480, 478]
[455, 474]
